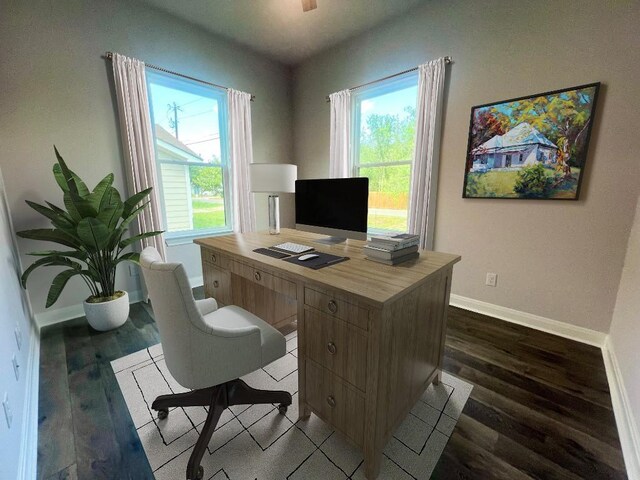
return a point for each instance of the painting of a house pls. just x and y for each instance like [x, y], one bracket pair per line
[530, 147]
[519, 147]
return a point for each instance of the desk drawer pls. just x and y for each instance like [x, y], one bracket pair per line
[266, 279]
[215, 258]
[217, 283]
[335, 401]
[335, 307]
[337, 345]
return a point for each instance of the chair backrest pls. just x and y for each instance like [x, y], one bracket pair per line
[174, 309]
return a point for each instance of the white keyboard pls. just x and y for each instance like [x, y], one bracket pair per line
[293, 248]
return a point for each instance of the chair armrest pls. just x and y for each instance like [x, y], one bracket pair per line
[206, 306]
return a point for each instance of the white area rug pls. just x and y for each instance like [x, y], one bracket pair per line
[256, 442]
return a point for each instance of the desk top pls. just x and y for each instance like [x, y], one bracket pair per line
[372, 282]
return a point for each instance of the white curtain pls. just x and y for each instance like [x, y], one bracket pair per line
[137, 139]
[426, 154]
[241, 149]
[340, 134]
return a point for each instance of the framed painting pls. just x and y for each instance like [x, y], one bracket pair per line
[532, 147]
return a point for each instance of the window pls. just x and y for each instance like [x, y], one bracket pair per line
[189, 122]
[384, 119]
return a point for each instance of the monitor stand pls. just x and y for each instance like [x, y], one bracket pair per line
[331, 240]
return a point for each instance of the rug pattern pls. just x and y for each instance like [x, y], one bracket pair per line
[255, 442]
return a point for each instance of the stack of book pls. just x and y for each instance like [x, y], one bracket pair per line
[392, 250]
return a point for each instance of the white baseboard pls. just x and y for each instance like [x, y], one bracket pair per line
[58, 315]
[625, 419]
[566, 330]
[28, 460]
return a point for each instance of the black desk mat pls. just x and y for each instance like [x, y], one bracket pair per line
[271, 253]
[324, 260]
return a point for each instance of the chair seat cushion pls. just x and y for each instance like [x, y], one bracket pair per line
[231, 317]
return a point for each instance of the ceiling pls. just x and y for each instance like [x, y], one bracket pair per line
[279, 28]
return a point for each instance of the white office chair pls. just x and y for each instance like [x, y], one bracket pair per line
[207, 349]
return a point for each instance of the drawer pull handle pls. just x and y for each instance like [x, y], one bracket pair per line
[332, 306]
[331, 401]
[216, 284]
[331, 347]
[213, 258]
[257, 276]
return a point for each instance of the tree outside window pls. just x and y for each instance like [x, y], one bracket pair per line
[384, 119]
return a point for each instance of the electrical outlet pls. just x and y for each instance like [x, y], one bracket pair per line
[18, 334]
[16, 367]
[8, 414]
[491, 280]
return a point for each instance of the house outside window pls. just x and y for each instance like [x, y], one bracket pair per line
[383, 122]
[189, 121]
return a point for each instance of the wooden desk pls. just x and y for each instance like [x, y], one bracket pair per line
[370, 336]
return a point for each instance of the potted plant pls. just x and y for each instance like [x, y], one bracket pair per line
[92, 225]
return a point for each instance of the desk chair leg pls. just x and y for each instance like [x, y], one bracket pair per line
[242, 394]
[217, 404]
[195, 398]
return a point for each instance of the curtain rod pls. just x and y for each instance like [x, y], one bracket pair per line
[446, 60]
[109, 56]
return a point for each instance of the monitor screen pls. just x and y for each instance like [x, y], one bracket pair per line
[336, 206]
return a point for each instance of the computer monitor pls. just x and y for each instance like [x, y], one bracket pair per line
[337, 207]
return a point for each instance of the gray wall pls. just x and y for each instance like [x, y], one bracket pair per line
[14, 313]
[625, 327]
[56, 88]
[561, 260]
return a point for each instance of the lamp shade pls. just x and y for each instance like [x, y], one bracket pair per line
[273, 177]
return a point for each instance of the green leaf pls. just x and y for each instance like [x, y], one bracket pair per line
[67, 179]
[78, 207]
[111, 208]
[93, 233]
[128, 257]
[79, 254]
[110, 216]
[59, 283]
[111, 198]
[133, 200]
[56, 218]
[95, 198]
[50, 235]
[60, 211]
[128, 241]
[133, 214]
[48, 262]
[122, 228]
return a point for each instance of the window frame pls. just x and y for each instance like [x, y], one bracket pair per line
[220, 95]
[383, 87]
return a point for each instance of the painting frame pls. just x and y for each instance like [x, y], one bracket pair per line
[558, 185]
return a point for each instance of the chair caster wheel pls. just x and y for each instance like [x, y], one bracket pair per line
[282, 409]
[199, 474]
[162, 414]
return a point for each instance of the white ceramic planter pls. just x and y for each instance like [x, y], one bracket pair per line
[108, 315]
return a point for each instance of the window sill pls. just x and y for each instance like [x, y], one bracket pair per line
[189, 238]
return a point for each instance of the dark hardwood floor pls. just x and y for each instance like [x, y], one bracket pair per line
[540, 407]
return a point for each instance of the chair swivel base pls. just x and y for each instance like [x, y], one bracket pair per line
[218, 398]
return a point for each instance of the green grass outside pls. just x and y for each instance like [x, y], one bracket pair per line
[501, 183]
[208, 219]
[200, 203]
[208, 213]
[387, 222]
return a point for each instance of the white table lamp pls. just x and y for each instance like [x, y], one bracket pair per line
[273, 178]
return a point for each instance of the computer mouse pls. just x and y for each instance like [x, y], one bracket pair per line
[308, 256]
